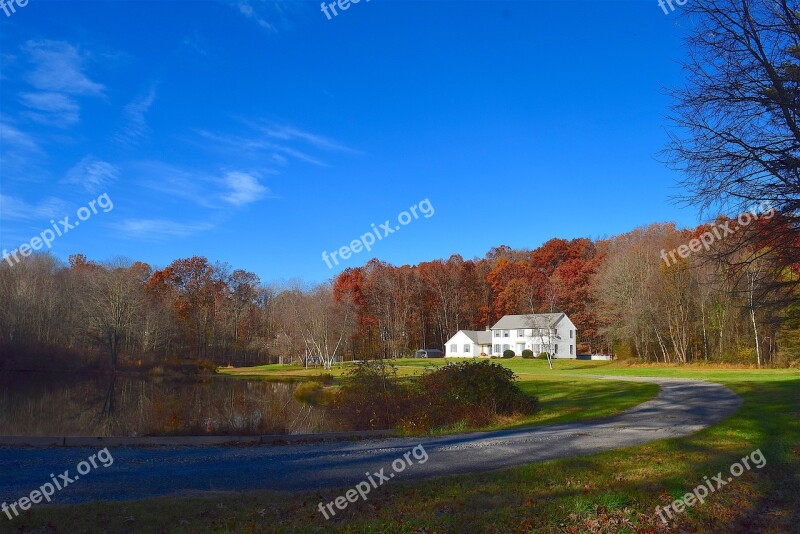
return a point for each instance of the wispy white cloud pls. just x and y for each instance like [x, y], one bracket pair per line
[92, 174]
[10, 135]
[290, 133]
[16, 209]
[51, 108]
[235, 188]
[243, 188]
[247, 9]
[271, 15]
[157, 229]
[297, 154]
[21, 156]
[136, 126]
[259, 144]
[177, 182]
[195, 42]
[59, 67]
[57, 75]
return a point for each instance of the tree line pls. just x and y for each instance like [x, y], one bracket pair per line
[622, 296]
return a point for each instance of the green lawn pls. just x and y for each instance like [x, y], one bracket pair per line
[563, 399]
[614, 491]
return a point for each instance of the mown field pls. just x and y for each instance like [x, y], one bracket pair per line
[615, 491]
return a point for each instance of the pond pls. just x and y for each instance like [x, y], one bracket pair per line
[49, 404]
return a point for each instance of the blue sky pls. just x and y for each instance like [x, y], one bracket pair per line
[262, 134]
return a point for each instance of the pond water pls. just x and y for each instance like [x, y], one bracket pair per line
[44, 404]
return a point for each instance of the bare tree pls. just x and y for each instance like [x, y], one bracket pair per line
[112, 305]
[737, 121]
[322, 324]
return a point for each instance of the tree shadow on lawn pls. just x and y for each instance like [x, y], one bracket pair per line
[585, 402]
[620, 489]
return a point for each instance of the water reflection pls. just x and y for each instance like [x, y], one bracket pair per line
[35, 404]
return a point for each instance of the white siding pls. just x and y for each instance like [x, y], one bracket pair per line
[460, 340]
[564, 340]
[514, 340]
[533, 337]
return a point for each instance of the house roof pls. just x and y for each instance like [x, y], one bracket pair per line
[479, 337]
[532, 320]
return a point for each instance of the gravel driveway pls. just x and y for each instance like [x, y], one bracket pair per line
[681, 408]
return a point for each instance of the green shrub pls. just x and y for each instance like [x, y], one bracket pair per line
[471, 393]
[543, 355]
[527, 354]
[508, 353]
[475, 392]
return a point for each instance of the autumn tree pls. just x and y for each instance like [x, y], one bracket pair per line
[193, 287]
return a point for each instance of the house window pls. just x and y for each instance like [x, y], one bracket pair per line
[556, 349]
[466, 349]
[497, 349]
[570, 334]
[570, 350]
[505, 333]
[453, 348]
[506, 347]
[520, 333]
[537, 349]
[497, 333]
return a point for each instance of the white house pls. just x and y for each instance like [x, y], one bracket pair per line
[469, 344]
[542, 332]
